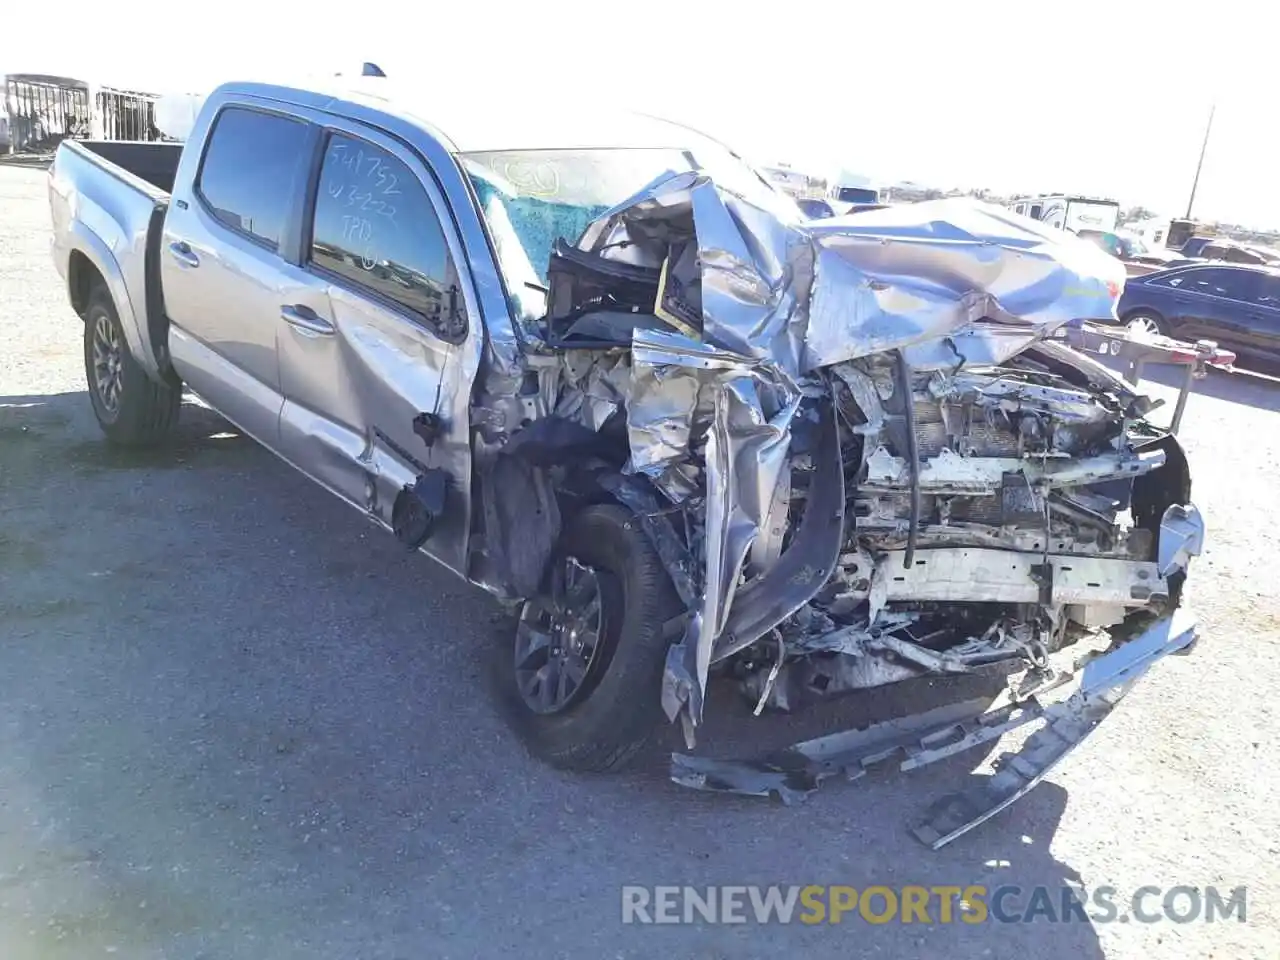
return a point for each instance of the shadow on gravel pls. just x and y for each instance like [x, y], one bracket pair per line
[43, 425]
[260, 708]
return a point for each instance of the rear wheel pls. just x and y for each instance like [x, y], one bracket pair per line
[584, 675]
[132, 409]
[1142, 323]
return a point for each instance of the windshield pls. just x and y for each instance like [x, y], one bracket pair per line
[530, 198]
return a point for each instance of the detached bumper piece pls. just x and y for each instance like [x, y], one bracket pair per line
[1071, 706]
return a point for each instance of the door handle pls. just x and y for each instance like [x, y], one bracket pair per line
[182, 252]
[302, 317]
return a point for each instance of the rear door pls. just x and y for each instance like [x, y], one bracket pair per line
[1212, 303]
[221, 256]
[372, 329]
[1264, 319]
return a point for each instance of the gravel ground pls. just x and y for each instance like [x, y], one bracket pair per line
[239, 722]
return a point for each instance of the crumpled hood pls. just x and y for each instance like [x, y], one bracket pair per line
[949, 281]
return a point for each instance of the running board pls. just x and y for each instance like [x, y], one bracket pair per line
[1072, 705]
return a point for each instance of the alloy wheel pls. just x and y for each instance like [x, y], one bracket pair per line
[558, 639]
[108, 360]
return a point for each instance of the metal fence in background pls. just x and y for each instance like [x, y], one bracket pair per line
[42, 111]
[127, 114]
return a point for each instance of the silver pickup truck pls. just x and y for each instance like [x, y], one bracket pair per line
[598, 366]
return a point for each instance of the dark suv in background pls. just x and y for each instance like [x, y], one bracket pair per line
[1237, 306]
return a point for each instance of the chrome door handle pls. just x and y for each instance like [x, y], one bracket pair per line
[182, 252]
[303, 318]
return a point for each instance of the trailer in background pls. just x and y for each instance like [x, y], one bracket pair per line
[41, 110]
[1070, 212]
[126, 115]
[1135, 354]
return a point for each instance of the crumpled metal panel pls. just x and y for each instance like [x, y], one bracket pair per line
[908, 276]
[675, 381]
[950, 283]
[745, 454]
[946, 280]
[1073, 703]
[598, 387]
[755, 277]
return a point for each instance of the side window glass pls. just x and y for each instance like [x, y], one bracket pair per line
[1267, 292]
[1233, 284]
[375, 227]
[1237, 284]
[248, 173]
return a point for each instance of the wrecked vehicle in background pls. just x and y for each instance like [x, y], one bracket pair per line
[684, 431]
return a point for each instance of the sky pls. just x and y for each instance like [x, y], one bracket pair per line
[1039, 97]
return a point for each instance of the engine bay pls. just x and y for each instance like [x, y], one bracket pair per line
[859, 449]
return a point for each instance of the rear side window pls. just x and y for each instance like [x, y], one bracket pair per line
[375, 227]
[1215, 282]
[248, 175]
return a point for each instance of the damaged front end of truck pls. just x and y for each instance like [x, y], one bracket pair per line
[861, 456]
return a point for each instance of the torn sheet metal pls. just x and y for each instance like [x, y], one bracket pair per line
[984, 476]
[745, 452]
[762, 603]
[911, 276]
[675, 385]
[1181, 538]
[860, 656]
[1072, 706]
[594, 389]
[750, 305]
[950, 281]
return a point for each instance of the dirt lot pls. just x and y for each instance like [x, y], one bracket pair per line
[239, 722]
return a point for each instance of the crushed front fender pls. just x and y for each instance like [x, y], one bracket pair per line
[1071, 707]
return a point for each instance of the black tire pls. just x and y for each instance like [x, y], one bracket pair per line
[1148, 318]
[132, 409]
[620, 709]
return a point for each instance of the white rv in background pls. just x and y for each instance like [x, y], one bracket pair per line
[1066, 212]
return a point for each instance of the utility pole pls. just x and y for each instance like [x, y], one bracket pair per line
[1196, 182]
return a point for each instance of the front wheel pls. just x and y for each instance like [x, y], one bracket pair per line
[132, 409]
[584, 674]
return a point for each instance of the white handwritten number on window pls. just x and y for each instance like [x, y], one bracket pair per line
[362, 186]
[357, 230]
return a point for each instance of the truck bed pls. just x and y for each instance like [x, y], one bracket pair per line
[108, 199]
[156, 163]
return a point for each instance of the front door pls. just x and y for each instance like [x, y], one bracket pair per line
[373, 334]
[220, 261]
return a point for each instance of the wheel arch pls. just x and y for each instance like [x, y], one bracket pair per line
[1143, 309]
[90, 262]
[82, 276]
[638, 499]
